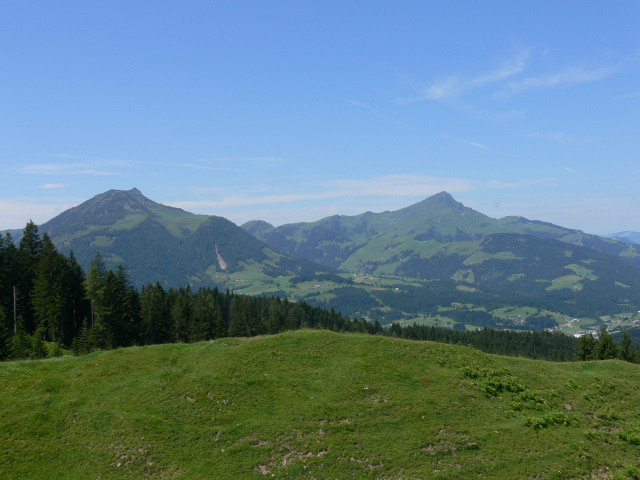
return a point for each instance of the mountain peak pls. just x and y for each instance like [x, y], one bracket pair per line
[446, 199]
[442, 199]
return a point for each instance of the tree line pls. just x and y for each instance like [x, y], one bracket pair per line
[46, 296]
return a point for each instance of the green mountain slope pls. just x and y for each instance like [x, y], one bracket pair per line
[159, 243]
[419, 262]
[317, 405]
[347, 242]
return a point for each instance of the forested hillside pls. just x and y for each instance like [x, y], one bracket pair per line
[371, 241]
[54, 301]
[157, 243]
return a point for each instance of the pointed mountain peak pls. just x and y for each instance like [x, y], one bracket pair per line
[442, 199]
[446, 199]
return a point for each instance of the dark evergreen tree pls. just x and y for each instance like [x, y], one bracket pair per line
[5, 339]
[95, 285]
[155, 315]
[38, 348]
[21, 344]
[586, 347]
[82, 343]
[56, 350]
[218, 322]
[606, 348]
[627, 351]
[201, 327]
[78, 307]
[48, 296]
[27, 260]
[9, 276]
[181, 313]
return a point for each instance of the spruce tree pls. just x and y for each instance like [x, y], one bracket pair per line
[38, 348]
[56, 351]
[627, 352]
[48, 298]
[77, 305]
[27, 258]
[82, 343]
[21, 344]
[9, 276]
[606, 348]
[586, 347]
[95, 285]
[5, 340]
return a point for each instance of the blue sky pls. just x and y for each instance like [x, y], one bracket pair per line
[292, 111]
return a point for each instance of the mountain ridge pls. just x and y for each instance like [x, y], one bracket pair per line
[155, 242]
[334, 240]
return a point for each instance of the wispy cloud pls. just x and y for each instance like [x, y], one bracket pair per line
[54, 185]
[561, 137]
[567, 77]
[14, 212]
[86, 166]
[628, 96]
[379, 113]
[390, 186]
[456, 85]
[499, 184]
[254, 160]
[468, 142]
[591, 213]
[62, 169]
[202, 167]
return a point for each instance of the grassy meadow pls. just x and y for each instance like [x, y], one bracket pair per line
[317, 405]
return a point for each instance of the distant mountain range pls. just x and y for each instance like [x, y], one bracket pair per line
[439, 225]
[417, 262]
[626, 237]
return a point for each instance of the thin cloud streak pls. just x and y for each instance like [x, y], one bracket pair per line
[468, 142]
[498, 184]
[597, 215]
[263, 160]
[13, 211]
[379, 114]
[58, 169]
[568, 77]
[455, 86]
[90, 166]
[628, 96]
[561, 137]
[393, 186]
[203, 167]
[54, 185]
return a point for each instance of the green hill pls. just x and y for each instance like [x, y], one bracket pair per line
[419, 262]
[314, 404]
[155, 242]
[425, 228]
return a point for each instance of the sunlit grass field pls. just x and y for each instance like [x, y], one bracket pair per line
[316, 404]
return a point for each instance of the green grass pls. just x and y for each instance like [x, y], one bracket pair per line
[311, 405]
[567, 281]
[316, 405]
[582, 271]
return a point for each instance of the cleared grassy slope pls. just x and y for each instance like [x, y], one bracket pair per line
[321, 405]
